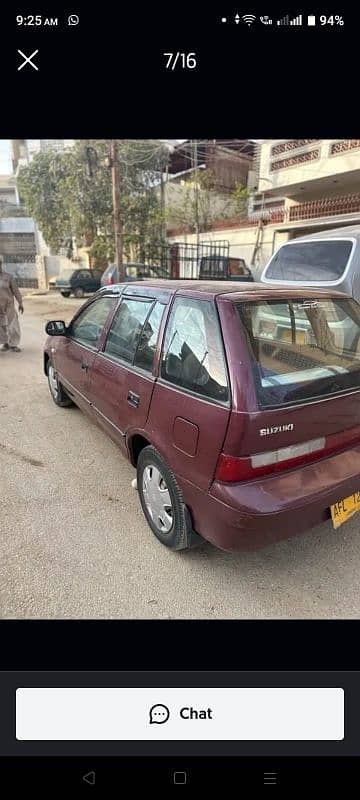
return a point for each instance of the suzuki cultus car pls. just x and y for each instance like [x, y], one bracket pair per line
[238, 404]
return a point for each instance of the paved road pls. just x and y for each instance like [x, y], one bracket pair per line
[74, 542]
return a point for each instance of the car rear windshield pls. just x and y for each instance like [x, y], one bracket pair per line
[213, 267]
[310, 261]
[302, 349]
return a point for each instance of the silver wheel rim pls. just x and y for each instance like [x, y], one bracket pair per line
[53, 382]
[157, 499]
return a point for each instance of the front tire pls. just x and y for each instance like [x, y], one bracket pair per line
[161, 501]
[57, 391]
[65, 294]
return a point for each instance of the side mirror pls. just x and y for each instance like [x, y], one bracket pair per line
[55, 328]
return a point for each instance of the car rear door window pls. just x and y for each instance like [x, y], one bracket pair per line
[88, 325]
[126, 329]
[145, 353]
[193, 356]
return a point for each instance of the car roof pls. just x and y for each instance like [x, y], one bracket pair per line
[229, 290]
[350, 231]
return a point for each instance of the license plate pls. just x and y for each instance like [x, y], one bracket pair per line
[345, 509]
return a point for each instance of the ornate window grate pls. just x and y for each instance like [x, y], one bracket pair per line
[344, 146]
[294, 161]
[292, 144]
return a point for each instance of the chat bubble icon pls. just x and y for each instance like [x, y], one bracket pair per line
[159, 714]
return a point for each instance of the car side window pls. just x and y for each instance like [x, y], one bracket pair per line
[145, 353]
[193, 356]
[126, 328]
[88, 326]
[84, 274]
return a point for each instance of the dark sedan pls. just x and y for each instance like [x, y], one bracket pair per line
[78, 282]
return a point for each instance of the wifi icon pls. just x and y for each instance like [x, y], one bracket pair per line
[249, 19]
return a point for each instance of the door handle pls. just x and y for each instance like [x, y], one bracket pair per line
[84, 366]
[133, 399]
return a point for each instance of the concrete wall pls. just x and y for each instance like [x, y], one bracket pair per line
[325, 166]
[24, 270]
[56, 264]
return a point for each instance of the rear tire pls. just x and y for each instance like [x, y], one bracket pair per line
[65, 294]
[162, 502]
[57, 391]
[79, 292]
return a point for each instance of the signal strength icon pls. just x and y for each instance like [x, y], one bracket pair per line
[249, 19]
[287, 21]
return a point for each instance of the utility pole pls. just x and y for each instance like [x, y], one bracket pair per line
[260, 227]
[118, 227]
[163, 182]
[196, 191]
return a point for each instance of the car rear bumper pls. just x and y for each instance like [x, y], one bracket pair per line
[251, 515]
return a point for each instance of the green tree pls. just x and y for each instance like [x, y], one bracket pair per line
[70, 195]
[202, 201]
[40, 186]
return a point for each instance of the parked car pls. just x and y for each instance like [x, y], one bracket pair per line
[133, 272]
[330, 259]
[221, 268]
[78, 282]
[237, 437]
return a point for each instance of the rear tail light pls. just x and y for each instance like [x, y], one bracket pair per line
[232, 469]
[110, 280]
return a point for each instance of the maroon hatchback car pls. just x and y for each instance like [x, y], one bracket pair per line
[238, 404]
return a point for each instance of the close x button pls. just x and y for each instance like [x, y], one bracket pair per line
[27, 60]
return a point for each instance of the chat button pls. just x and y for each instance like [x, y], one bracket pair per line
[180, 713]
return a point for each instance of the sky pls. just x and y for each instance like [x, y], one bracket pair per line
[5, 157]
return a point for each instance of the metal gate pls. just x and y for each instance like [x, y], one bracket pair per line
[182, 260]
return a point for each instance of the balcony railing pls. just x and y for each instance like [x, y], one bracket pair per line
[316, 209]
[311, 210]
[326, 207]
